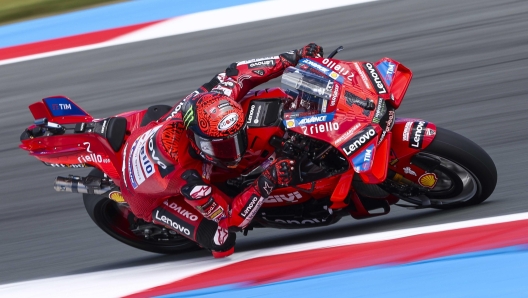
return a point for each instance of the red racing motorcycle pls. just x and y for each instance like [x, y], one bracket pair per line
[336, 118]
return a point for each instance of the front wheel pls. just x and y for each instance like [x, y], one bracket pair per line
[466, 175]
[112, 219]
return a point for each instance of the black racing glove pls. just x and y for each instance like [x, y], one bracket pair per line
[310, 50]
[279, 173]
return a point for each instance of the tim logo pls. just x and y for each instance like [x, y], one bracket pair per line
[61, 106]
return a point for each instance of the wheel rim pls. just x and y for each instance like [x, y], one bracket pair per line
[455, 183]
[112, 220]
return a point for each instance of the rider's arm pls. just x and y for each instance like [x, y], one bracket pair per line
[214, 204]
[242, 76]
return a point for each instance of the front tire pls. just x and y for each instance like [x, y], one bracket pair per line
[108, 216]
[466, 176]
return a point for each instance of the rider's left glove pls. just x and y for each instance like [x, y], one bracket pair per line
[310, 50]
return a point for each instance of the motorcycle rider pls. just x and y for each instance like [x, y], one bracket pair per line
[175, 155]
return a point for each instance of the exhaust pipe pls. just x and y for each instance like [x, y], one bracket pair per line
[77, 184]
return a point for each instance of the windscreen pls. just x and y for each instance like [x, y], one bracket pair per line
[310, 95]
[308, 82]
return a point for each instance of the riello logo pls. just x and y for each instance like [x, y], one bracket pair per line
[92, 157]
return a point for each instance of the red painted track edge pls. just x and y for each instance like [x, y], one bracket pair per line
[319, 261]
[69, 42]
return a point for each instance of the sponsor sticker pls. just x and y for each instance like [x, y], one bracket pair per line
[388, 125]
[140, 164]
[173, 222]
[302, 121]
[347, 134]
[335, 95]
[339, 68]
[181, 211]
[290, 123]
[211, 210]
[381, 109]
[296, 222]
[91, 156]
[228, 121]
[263, 63]
[164, 166]
[289, 197]
[250, 114]
[62, 165]
[387, 69]
[407, 131]
[116, 196]
[417, 134]
[362, 75]
[314, 65]
[430, 132]
[358, 141]
[323, 106]
[375, 78]
[409, 171]
[251, 207]
[257, 60]
[363, 161]
[428, 180]
[320, 128]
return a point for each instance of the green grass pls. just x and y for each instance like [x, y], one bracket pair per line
[18, 10]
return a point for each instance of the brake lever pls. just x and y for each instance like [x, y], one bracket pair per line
[334, 52]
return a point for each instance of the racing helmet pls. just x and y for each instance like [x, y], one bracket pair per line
[216, 128]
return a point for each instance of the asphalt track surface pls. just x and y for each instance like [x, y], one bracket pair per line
[470, 64]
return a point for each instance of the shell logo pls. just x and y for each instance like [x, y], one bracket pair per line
[428, 180]
[290, 123]
[116, 196]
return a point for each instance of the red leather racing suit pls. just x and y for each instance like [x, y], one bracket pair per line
[175, 190]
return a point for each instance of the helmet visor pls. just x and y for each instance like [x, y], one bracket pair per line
[225, 149]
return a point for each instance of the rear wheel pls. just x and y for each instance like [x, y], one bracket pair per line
[113, 219]
[466, 174]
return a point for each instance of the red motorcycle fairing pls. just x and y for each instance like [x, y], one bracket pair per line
[358, 117]
[411, 136]
[77, 149]
[394, 75]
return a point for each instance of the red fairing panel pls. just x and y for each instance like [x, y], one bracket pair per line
[396, 77]
[410, 136]
[59, 109]
[76, 150]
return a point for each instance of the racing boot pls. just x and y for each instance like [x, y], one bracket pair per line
[223, 243]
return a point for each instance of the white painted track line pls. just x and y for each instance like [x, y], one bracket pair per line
[206, 20]
[126, 281]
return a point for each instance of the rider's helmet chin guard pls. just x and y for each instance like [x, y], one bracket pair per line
[216, 128]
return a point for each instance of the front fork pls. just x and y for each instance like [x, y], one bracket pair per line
[410, 174]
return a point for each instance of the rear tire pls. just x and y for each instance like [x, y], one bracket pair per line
[107, 216]
[467, 174]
